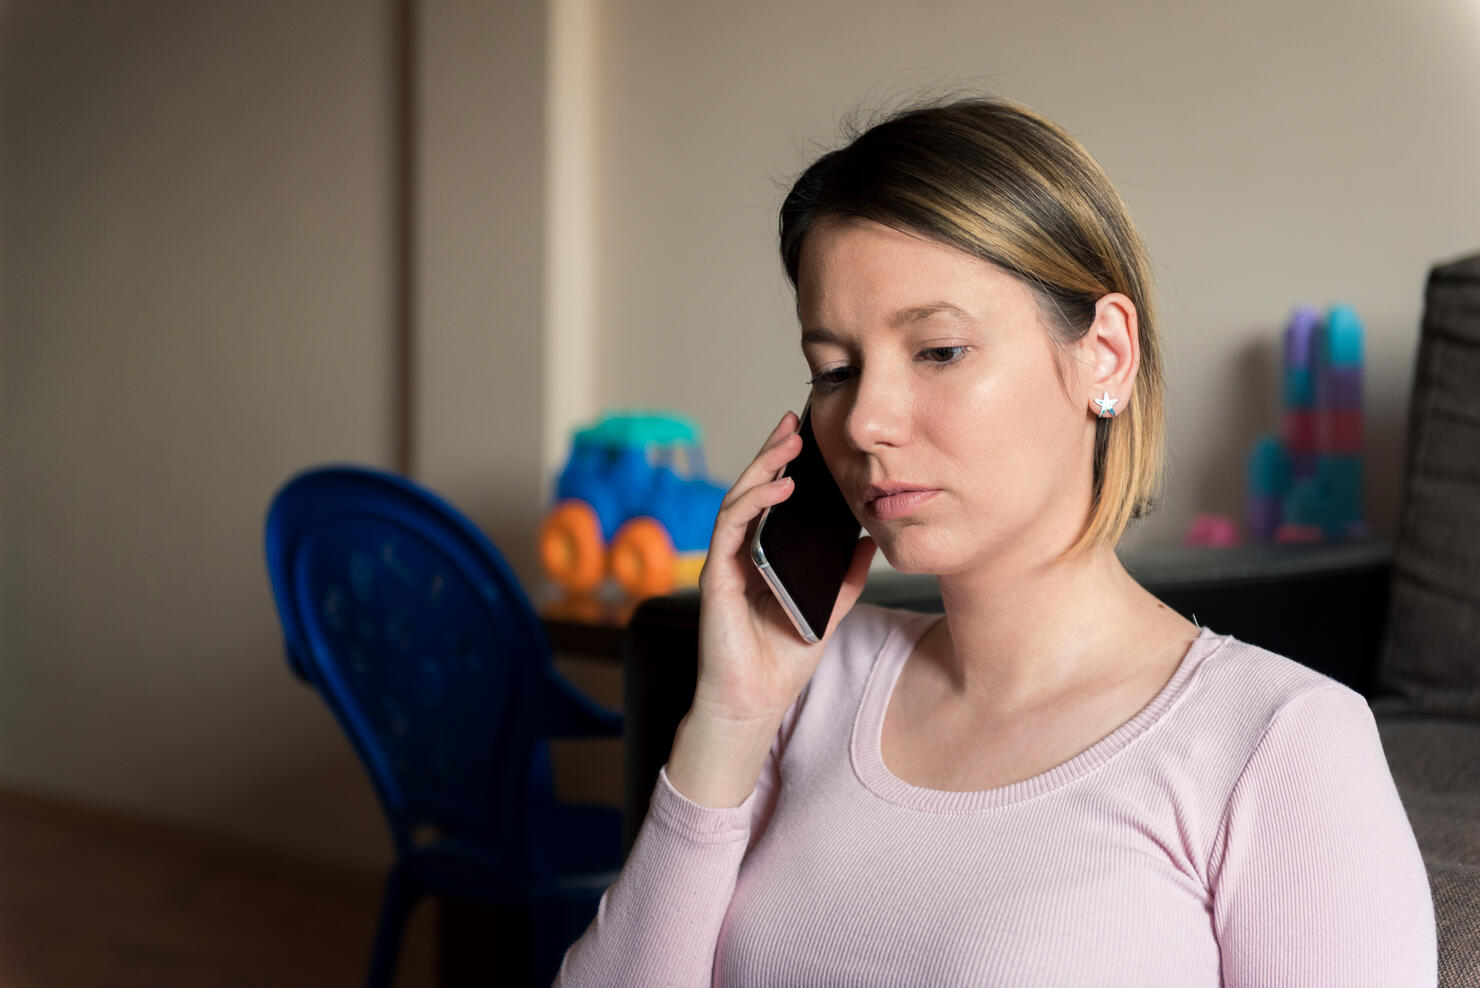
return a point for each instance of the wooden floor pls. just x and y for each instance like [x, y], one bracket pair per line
[91, 898]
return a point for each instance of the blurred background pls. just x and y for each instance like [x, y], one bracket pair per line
[239, 238]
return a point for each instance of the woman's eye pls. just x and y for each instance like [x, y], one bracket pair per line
[833, 378]
[944, 354]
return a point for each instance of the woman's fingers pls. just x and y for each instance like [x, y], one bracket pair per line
[758, 488]
[785, 426]
[765, 467]
[734, 519]
[780, 448]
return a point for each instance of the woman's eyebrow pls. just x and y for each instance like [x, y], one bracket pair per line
[819, 335]
[914, 313]
[917, 312]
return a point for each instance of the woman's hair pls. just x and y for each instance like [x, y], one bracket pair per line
[1007, 185]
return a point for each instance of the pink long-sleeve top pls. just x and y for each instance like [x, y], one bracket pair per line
[1242, 829]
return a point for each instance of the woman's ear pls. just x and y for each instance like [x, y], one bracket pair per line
[1110, 354]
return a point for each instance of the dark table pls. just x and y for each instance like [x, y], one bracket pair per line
[591, 626]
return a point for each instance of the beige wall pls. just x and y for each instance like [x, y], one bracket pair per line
[1271, 152]
[480, 261]
[196, 304]
[197, 261]
[197, 300]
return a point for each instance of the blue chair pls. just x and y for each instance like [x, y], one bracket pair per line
[414, 630]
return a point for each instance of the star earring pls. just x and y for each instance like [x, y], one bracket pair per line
[1107, 406]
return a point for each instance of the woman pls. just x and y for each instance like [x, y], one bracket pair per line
[1059, 781]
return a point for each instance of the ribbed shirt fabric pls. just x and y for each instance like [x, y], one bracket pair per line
[1242, 829]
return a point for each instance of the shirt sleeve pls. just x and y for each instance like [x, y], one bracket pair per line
[659, 922]
[1315, 874]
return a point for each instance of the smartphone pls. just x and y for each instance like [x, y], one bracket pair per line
[804, 545]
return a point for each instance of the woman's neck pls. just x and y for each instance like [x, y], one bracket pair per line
[1016, 636]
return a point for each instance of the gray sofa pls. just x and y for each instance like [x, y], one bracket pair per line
[1428, 672]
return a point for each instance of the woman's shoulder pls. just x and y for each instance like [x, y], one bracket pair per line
[1242, 685]
[1256, 721]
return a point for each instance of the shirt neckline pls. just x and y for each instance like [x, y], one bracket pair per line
[868, 730]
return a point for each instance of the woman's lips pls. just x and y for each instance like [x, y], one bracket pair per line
[892, 506]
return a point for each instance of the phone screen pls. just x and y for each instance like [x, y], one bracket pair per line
[804, 545]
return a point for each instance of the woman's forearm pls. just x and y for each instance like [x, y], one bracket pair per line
[716, 760]
[659, 922]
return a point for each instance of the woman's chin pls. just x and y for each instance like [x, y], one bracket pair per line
[909, 556]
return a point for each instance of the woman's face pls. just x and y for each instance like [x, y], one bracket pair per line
[937, 403]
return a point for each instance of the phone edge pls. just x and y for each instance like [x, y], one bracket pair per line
[758, 557]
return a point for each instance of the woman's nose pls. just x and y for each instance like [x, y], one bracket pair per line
[880, 412]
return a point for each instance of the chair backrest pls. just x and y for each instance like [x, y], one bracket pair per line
[418, 636]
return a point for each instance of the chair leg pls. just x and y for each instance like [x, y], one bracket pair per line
[395, 906]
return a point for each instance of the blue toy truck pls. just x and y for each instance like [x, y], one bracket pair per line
[632, 502]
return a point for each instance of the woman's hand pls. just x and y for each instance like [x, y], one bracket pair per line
[752, 662]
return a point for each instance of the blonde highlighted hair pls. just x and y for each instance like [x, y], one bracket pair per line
[1005, 184]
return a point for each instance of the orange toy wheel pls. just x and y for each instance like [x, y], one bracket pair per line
[570, 547]
[643, 559]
